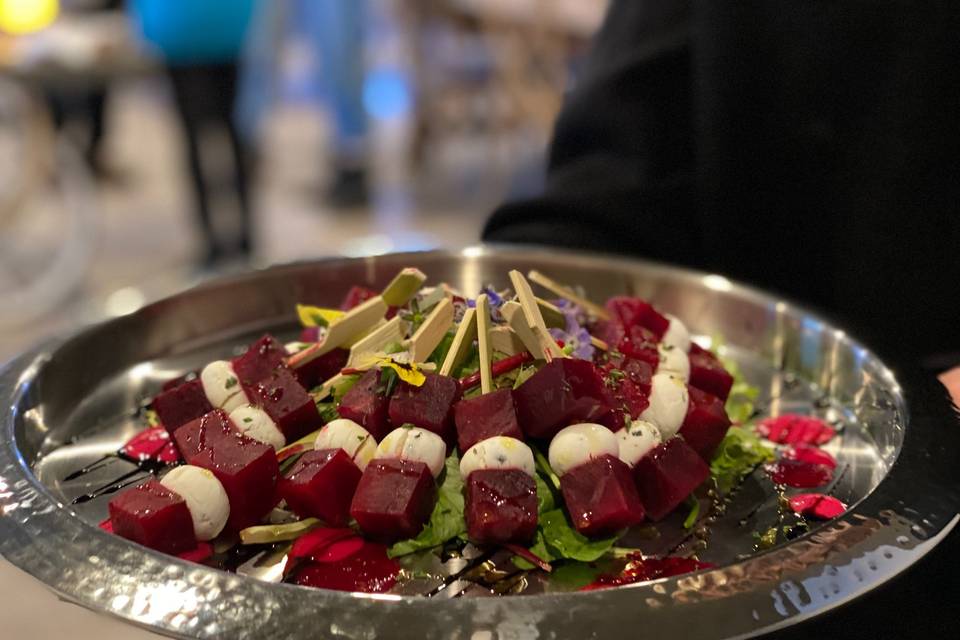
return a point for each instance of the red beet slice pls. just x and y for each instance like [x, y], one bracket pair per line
[288, 404]
[321, 485]
[178, 406]
[369, 570]
[707, 374]
[484, 417]
[640, 344]
[356, 296]
[799, 474]
[601, 496]
[706, 423]
[152, 444]
[314, 543]
[366, 405]
[817, 505]
[429, 406]
[501, 506]
[792, 428]
[394, 499]
[631, 312]
[318, 370]
[153, 516]
[561, 393]
[667, 475]
[246, 468]
[260, 360]
[811, 455]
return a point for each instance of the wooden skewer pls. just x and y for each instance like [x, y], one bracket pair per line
[533, 316]
[567, 293]
[403, 287]
[431, 332]
[483, 343]
[353, 325]
[513, 313]
[552, 316]
[376, 341]
[599, 344]
[506, 341]
[462, 341]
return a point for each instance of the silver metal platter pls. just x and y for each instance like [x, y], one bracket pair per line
[69, 402]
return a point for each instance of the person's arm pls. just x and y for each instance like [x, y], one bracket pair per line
[621, 165]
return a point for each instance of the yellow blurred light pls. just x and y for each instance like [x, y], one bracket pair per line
[26, 16]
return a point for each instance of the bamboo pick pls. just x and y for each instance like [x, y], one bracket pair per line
[513, 314]
[376, 341]
[506, 341]
[462, 340]
[431, 332]
[403, 287]
[567, 293]
[483, 343]
[351, 326]
[533, 316]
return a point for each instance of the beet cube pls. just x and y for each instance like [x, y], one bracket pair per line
[260, 360]
[706, 423]
[561, 393]
[601, 496]
[631, 312]
[247, 469]
[356, 296]
[321, 369]
[288, 404]
[310, 334]
[179, 405]
[667, 475]
[707, 374]
[321, 485]
[366, 404]
[429, 406]
[484, 417]
[394, 499]
[153, 516]
[501, 506]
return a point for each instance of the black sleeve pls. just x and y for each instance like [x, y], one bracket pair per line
[621, 163]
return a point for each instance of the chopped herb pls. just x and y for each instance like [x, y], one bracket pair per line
[231, 383]
[694, 512]
[248, 419]
[739, 453]
[361, 438]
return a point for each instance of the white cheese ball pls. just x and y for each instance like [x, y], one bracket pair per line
[222, 386]
[416, 445]
[677, 334]
[345, 434]
[498, 452]
[637, 440]
[205, 497]
[257, 424]
[673, 360]
[669, 399]
[580, 443]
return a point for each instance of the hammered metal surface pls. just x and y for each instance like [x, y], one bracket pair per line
[82, 389]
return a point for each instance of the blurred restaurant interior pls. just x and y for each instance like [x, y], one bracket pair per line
[360, 128]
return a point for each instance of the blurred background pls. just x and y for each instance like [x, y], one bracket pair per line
[148, 144]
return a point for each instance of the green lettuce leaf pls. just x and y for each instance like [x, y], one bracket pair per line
[447, 520]
[738, 454]
[556, 539]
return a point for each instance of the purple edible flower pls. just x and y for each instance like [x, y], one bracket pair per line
[573, 336]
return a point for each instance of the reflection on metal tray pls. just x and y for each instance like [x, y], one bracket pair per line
[72, 405]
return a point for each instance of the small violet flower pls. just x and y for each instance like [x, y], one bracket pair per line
[574, 335]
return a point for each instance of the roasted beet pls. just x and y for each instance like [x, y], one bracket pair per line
[640, 344]
[601, 496]
[628, 381]
[707, 374]
[178, 406]
[356, 296]
[394, 499]
[706, 423]
[246, 468]
[501, 506]
[561, 393]
[321, 485]
[153, 516]
[310, 334]
[288, 404]
[366, 404]
[259, 361]
[631, 312]
[429, 406]
[321, 369]
[667, 475]
[484, 417]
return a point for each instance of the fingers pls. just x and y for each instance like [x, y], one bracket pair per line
[951, 380]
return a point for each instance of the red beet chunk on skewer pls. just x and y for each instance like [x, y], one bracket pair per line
[562, 392]
[394, 499]
[259, 361]
[367, 405]
[706, 423]
[247, 469]
[153, 516]
[601, 497]
[667, 475]
[429, 406]
[631, 312]
[707, 374]
[287, 403]
[179, 405]
[501, 506]
[486, 416]
[323, 368]
[321, 485]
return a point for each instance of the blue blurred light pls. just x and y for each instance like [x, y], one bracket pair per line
[386, 94]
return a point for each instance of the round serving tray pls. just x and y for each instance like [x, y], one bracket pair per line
[71, 400]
